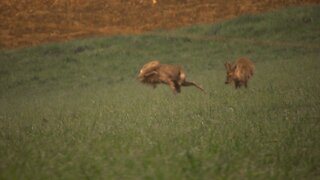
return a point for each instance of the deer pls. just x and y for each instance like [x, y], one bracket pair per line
[154, 73]
[240, 72]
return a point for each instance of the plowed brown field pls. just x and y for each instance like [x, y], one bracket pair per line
[26, 23]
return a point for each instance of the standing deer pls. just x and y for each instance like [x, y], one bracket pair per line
[240, 72]
[154, 73]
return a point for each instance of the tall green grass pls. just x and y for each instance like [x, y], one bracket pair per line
[76, 110]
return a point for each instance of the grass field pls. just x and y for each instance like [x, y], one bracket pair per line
[75, 110]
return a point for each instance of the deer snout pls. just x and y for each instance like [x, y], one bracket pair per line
[140, 78]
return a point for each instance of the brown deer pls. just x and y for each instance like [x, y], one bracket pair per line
[154, 73]
[240, 72]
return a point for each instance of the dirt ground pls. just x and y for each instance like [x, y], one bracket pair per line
[26, 23]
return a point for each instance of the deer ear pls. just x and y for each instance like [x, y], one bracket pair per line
[154, 64]
[227, 65]
[234, 67]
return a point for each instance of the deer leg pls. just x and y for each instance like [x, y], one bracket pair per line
[150, 73]
[172, 86]
[246, 84]
[237, 84]
[191, 83]
[177, 86]
[154, 86]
